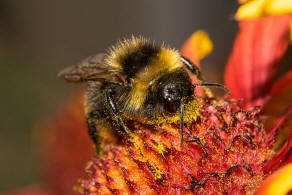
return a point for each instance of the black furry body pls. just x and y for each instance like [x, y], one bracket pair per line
[155, 103]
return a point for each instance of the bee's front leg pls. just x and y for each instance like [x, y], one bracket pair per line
[116, 114]
[196, 71]
[192, 68]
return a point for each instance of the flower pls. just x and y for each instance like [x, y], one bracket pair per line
[225, 152]
[259, 47]
[229, 148]
[255, 58]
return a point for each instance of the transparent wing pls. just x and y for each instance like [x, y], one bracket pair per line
[92, 68]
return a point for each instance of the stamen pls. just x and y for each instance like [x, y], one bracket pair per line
[242, 138]
[220, 139]
[198, 141]
[231, 169]
[196, 183]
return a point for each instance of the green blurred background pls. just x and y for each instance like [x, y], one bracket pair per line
[39, 38]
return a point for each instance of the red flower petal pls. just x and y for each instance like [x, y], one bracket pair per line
[282, 84]
[281, 156]
[281, 95]
[258, 49]
[279, 123]
[289, 160]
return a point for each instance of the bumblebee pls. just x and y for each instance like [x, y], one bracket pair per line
[137, 79]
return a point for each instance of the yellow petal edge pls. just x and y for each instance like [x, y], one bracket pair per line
[261, 8]
[279, 182]
[202, 43]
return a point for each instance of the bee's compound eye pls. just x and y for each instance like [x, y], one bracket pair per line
[170, 92]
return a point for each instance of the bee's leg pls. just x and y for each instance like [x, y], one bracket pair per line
[93, 132]
[196, 71]
[115, 111]
[192, 68]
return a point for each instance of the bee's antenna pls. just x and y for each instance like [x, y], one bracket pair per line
[181, 116]
[212, 85]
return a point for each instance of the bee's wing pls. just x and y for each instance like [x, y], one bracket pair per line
[92, 68]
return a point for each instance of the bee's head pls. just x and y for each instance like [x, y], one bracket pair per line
[176, 87]
[175, 92]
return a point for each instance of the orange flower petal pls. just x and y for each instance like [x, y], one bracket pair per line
[253, 64]
[280, 182]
